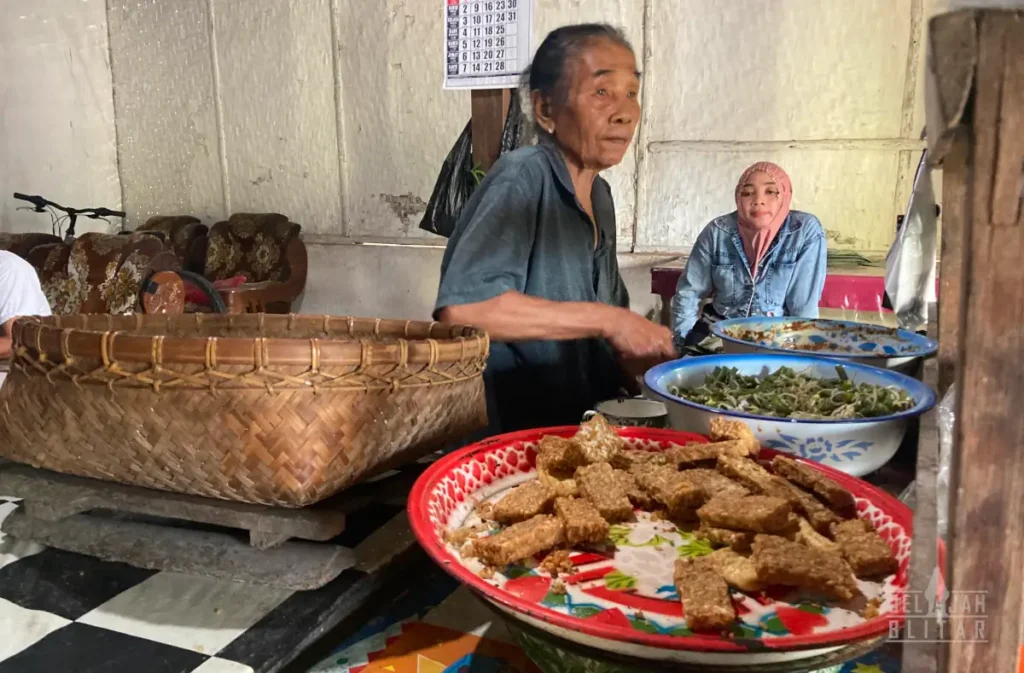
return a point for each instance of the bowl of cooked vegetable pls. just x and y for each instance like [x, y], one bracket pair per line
[868, 344]
[846, 415]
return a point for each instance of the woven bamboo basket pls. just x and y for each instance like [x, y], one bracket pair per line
[272, 409]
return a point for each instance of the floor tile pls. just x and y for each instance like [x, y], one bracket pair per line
[66, 583]
[195, 613]
[86, 649]
[21, 628]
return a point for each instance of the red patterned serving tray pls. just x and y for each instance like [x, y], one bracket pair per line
[626, 595]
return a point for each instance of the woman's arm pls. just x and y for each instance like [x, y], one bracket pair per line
[483, 282]
[513, 316]
[693, 287]
[804, 293]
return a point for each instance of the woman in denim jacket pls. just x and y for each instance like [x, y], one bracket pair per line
[761, 259]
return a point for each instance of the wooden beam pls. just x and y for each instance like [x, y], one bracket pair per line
[954, 203]
[490, 108]
[987, 473]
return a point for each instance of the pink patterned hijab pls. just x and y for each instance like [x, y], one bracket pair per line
[757, 238]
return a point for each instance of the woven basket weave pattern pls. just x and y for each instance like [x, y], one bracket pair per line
[277, 410]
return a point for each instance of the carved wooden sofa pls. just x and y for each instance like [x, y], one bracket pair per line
[98, 273]
[105, 273]
[264, 248]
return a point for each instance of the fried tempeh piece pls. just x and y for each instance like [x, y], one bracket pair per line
[629, 458]
[704, 594]
[756, 478]
[864, 549]
[636, 495]
[523, 502]
[597, 440]
[757, 513]
[713, 483]
[814, 481]
[723, 429]
[671, 489]
[737, 570]
[819, 516]
[812, 538]
[779, 561]
[560, 454]
[599, 484]
[560, 482]
[583, 524]
[520, 541]
[694, 454]
[753, 476]
[736, 540]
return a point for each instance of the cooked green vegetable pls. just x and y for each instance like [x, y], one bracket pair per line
[787, 394]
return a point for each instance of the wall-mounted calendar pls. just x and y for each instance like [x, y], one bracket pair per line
[487, 43]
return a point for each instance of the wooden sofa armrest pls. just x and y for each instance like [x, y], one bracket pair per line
[272, 295]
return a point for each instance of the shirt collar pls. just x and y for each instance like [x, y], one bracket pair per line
[557, 161]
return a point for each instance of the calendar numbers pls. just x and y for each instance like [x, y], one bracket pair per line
[487, 42]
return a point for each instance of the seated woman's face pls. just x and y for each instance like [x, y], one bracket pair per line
[596, 122]
[760, 198]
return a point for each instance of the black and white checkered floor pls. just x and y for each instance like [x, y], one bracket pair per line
[61, 611]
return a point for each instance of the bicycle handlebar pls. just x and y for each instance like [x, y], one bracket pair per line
[94, 213]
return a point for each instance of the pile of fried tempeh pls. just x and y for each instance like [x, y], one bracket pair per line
[791, 526]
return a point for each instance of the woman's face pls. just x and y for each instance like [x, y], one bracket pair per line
[760, 198]
[594, 124]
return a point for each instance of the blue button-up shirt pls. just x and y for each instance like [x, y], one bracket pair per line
[524, 230]
[789, 280]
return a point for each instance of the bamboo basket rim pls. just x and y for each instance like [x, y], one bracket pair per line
[346, 340]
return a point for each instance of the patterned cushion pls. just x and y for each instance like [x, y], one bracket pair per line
[65, 294]
[22, 244]
[250, 245]
[111, 269]
[185, 236]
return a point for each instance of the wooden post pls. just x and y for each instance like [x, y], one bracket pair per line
[490, 108]
[954, 201]
[987, 472]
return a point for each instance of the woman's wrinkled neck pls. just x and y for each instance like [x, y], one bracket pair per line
[582, 177]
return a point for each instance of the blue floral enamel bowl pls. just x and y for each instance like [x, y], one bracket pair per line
[855, 446]
[874, 345]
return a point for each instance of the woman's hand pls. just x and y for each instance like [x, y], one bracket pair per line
[637, 338]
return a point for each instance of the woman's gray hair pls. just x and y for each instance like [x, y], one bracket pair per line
[549, 70]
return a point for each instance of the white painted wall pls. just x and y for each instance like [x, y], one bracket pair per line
[57, 109]
[331, 111]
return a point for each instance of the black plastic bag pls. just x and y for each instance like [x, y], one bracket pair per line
[459, 177]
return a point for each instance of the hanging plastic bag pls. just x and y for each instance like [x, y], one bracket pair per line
[910, 264]
[459, 177]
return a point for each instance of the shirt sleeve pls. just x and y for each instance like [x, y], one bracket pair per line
[693, 287]
[20, 294]
[808, 278]
[489, 253]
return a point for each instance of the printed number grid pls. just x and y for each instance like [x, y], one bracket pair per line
[482, 38]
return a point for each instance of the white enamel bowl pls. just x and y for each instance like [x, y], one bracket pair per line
[856, 446]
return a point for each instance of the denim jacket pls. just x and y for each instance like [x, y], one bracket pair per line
[789, 281]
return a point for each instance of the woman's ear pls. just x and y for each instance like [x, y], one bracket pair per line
[542, 111]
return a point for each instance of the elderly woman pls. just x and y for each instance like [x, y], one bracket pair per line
[532, 258]
[761, 259]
